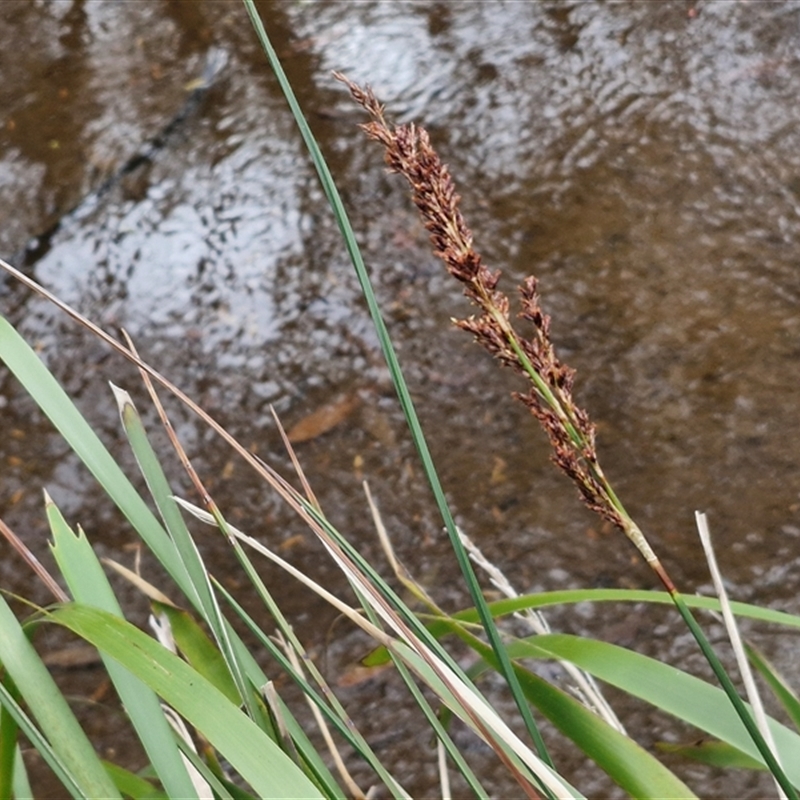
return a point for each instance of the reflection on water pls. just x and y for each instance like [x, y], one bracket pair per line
[641, 158]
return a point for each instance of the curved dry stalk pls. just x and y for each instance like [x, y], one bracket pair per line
[338, 760]
[753, 694]
[462, 698]
[30, 559]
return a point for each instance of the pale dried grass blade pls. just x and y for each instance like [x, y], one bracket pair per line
[400, 572]
[288, 444]
[354, 789]
[586, 688]
[753, 695]
[145, 587]
[348, 611]
[453, 691]
[46, 578]
[444, 775]
[203, 789]
[272, 699]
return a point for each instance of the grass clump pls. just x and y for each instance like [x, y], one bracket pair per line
[212, 720]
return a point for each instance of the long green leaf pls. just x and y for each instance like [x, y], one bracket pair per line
[186, 548]
[373, 578]
[713, 753]
[233, 668]
[623, 760]
[8, 748]
[88, 584]
[779, 685]
[133, 786]
[514, 747]
[22, 786]
[50, 709]
[57, 406]
[19, 777]
[743, 711]
[678, 693]
[199, 650]
[238, 739]
[328, 704]
[501, 608]
[398, 379]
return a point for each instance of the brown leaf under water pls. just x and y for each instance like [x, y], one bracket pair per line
[358, 674]
[324, 419]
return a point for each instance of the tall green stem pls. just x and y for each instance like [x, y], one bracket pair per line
[401, 388]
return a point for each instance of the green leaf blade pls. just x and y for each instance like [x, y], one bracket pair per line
[248, 749]
[50, 709]
[88, 584]
[666, 687]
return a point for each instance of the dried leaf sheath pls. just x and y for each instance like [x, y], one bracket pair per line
[408, 151]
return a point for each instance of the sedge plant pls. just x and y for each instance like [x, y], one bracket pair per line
[572, 435]
[211, 719]
[569, 428]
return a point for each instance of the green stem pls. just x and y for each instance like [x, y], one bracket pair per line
[741, 709]
[404, 396]
[541, 386]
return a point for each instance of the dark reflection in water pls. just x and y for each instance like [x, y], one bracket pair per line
[642, 159]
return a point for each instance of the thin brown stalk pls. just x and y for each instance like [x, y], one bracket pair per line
[46, 578]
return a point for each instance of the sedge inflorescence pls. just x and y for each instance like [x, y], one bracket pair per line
[408, 151]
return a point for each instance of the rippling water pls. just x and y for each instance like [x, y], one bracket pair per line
[641, 158]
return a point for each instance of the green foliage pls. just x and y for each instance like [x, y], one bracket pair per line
[51, 725]
[250, 751]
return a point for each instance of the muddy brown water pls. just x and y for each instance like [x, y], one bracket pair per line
[641, 158]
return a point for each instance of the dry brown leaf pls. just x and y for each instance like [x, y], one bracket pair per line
[293, 542]
[323, 419]
[358, 674]
[498, 471]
